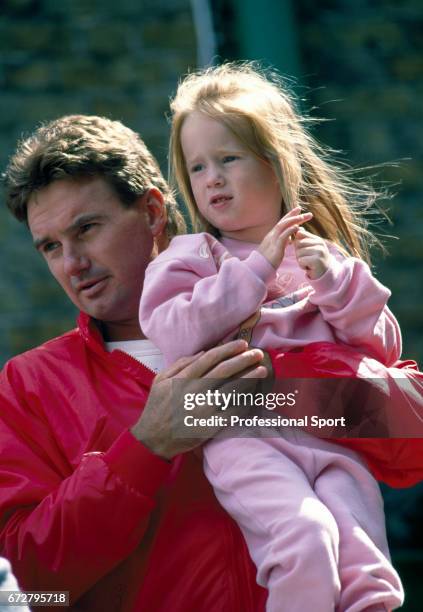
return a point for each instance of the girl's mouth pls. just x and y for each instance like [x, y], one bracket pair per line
[220, 201]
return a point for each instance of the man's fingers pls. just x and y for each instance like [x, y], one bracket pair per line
[258, 372]
[178, 366]
[206, 362]
[237, 365]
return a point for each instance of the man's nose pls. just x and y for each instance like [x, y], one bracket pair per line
[74, 262]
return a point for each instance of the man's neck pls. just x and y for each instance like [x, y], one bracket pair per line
[118, 332]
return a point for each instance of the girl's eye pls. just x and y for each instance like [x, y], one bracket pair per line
[229, 158]
[197, 168]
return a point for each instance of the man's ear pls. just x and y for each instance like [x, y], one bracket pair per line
[155, 208]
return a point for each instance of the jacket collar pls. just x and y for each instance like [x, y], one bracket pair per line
[89, 331]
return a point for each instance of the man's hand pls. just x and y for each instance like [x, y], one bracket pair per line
[312, 253]
[274, 243]
[210, 370]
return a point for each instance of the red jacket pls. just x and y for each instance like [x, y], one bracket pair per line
[398, 410]
[86, 508]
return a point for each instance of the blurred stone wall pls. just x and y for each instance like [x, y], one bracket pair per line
[363, 62]
[362, 65]
[119, 58]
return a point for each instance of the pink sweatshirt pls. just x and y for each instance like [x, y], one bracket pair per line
[198, 292]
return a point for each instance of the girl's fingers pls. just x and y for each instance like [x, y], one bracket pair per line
[305, 238]
[306, 244]
[293, 211]
[285, 235]
[309, 252]
[303, 233]
[307, 261]
[295, 220]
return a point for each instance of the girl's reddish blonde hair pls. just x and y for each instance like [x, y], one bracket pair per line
[259, 110]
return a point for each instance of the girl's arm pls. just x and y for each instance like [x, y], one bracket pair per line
[194, 295]
[354, 302]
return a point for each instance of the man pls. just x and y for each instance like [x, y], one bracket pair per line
[98, 498]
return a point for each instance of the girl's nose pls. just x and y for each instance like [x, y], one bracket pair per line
[214, 177]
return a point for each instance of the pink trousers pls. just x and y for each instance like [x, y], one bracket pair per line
[312, 516]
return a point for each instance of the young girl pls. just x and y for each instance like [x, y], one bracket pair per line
[283, 239]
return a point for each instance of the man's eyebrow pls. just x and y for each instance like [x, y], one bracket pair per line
[80, 220]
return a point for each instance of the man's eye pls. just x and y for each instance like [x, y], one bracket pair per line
[86, 227]
[49, 247]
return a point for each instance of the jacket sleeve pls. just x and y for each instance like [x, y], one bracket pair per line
[354, 302]
[188, 304]
[396, 461]
[63, 527]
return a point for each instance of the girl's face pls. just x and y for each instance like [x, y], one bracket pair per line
[233, 189]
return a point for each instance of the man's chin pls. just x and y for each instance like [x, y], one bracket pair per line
[96, 306]
[107, 313]
[107, 310]
[98, 311]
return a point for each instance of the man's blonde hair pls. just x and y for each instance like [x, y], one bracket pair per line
[259, 110]
[79, 146]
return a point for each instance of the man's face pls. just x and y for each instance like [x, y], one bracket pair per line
[96, 248]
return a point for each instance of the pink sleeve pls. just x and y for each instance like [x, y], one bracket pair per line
[353, 302]
[189, 303]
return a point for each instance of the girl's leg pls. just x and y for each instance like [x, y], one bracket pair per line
[291, 535]
[353, 497]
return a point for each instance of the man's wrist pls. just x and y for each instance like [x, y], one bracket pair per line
[152, 446]
[136, 464]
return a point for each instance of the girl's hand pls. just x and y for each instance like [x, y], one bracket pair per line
[312, 253]
[274, 243]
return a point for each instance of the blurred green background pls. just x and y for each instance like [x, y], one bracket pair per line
[358, 63]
